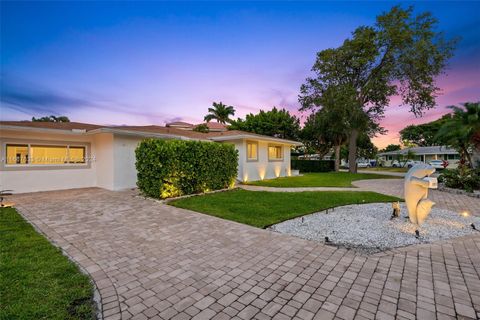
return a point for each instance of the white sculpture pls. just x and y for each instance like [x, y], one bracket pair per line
[417, 182]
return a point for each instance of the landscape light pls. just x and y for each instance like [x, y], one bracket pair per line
[417, 234]
[465, 213]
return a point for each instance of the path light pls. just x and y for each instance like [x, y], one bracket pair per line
[465, 213]
[417, 234]
[473, 226]
[327, 240]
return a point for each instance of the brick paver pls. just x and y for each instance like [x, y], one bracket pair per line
[153, 261]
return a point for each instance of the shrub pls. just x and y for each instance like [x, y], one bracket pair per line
[313, 165]
[170, 168]
[462, 178]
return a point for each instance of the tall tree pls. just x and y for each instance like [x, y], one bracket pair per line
[423, 135]
[391, 147]
[462, 131]
[401, 54]
[275, 123]
[51, 119]
[220, 112]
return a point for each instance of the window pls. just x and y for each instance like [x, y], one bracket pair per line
[17, 154]
[275, 153]
[252, 151]
[44, 154]
[451, 157]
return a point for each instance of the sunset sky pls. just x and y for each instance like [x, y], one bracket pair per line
[143, 63]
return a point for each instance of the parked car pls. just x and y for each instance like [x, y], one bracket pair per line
[405, 164]
[439, 164]
[363, 164]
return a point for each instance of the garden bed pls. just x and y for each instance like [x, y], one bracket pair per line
[368, 227]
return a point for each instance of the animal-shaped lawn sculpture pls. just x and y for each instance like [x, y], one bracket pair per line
[417, 182]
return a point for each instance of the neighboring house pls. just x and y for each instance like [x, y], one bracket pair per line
[41, 156]
[424, 154]
[212, 126]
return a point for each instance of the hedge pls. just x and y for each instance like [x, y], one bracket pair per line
[170, 168]
[313, 165]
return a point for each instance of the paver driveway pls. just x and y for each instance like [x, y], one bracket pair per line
[150, 260]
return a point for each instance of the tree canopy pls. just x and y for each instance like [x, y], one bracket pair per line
[220, 112]
[51, 119]
[275, 123]
[462, 131]
[424, 135]
[401, 54]
[391, 147]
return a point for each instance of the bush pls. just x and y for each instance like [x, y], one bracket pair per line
[313, 165]
[170, 168]
[462, 178]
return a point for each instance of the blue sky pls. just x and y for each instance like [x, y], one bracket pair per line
[154, 62]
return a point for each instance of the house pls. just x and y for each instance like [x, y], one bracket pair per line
[424, 154]
[41, 156]
[212, 126]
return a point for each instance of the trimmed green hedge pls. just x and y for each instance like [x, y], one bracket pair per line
[171, 168]
[313, 165]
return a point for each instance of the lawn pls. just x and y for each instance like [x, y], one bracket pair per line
[36, 280]
[261, 209]
[386, 169]
[323, 179]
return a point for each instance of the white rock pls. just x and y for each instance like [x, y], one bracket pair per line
[369, 228]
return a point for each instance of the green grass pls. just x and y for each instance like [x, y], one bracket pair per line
[386, 169]
[261, 209]
[36, 280]
[323, 179]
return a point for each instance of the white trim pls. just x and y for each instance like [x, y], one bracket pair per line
[255, 137]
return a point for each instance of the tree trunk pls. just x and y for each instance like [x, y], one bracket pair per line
[337, 158]
[352, 151]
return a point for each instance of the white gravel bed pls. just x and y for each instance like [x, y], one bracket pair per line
[368, 227]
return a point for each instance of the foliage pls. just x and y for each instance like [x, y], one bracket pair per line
[461, 178]
[220, 112]
[365, 147]
[37, 281]
[462, 130]
[169, 168]
[424, 135]
[324, 179]
[402, 54]
[51, 119]
[313, 165]
[201, 128]
[327, 128]
[262, 209]
[391, 147]
[275, 123]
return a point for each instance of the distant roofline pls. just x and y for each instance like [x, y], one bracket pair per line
[418, 151]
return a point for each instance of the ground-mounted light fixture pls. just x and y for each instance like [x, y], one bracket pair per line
[473, 227]
[465, 213]
[327, 240]
[417, 234]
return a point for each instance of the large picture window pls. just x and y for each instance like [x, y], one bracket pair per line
[33, 154]
[275, 153]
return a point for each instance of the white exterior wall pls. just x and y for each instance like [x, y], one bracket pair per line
[125, 172]
[42, 178]
[263, 168]
[104, 160]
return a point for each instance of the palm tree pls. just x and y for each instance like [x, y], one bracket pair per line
[462, 131]
[220, 112]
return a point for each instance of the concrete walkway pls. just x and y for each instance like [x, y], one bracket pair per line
[153, 261]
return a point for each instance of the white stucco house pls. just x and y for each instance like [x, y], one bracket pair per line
[42, 156]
